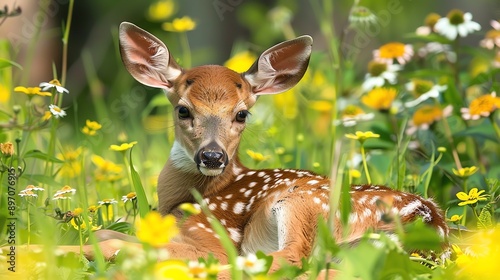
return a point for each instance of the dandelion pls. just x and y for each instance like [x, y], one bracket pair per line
[482, 106]
[91, 127]
[161, 10]
[456, 23]
[380, 98]
[156, 230]
[393, 51]
[360, 15]
[465, 172]
[123, 147]
[241, 61]
[32, 91]
[54, 84]
[179, 25]
[353, 114]
[7, 148]
[426, 115]
[251, 264]
[492, 37]
[379, 73]
[257, 157]
[93, 209]
[56, 111]
[423, 90]
[429, 23]
[472, 197]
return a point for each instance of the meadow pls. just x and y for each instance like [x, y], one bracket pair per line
[421, 115]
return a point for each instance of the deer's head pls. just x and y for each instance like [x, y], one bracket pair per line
[211, 102]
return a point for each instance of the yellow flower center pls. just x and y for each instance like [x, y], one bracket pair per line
[484, 104]
[55, 82]
[427, 115]
[379, 98]
[431, 19]
[66, 188]
[352, 111]
[131, 195]
[492, 34]
[57, 109]
[392, 50]
[456, 17]
[376, 69]
[422, 86]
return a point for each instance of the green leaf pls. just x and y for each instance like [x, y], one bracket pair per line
[142, 199]
[4, 63]
[41, 155]
[484, 220]
[419, 235]
[483, 131]
[122, 227]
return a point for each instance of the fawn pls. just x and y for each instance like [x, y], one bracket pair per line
[272, 210]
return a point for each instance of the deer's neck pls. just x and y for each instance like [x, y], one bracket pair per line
[177, 180]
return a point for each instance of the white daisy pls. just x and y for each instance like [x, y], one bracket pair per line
[379, 73]
[251, 264]
[56, 111]
[437, 48]
[424, 90]
[353, 114]
[53, 84]
[107, 201]
[456, 23]
[428, 27]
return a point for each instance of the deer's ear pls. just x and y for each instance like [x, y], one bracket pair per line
[280, 67]
[146, 58]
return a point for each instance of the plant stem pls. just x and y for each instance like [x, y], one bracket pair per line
[185, 50]
[365, 165]
[64, 67]
[495, 125]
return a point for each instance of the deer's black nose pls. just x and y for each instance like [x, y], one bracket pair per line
[211, 156]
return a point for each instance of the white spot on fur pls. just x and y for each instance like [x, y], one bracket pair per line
[234, 234]
[239, 177]
[374, 199]
[238, 207]
[410, 208]
[200, 225]
[252, 184]
[353, 218]
[242, 190]
[250, 173]
[224, 206]
[229, 196]
[363, 199]
[367, 212]
[212, 206]
[317, 200]
[325, 207]
[312, 182]
[248, 193]
[261, 174]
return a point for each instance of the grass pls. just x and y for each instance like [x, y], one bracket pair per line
[65, 175]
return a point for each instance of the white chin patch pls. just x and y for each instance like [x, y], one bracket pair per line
[210, 171]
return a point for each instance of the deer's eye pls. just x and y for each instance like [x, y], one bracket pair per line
[241, 116]
[183, 112]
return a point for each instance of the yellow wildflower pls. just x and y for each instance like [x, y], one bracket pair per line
[190, 209]
[91, 127]
[161, 10]
[257, 157]
[241, 61]
[179, 25]
[32, 91]
[465, 172]
[380, 98]
[472, 197]
[106, 170]
[354, 173]
[7, 148]
[455, 218]
[72, 166]
[122, 147]
[156, 230]
[362, 136]
[322, 106]
[173, 270]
